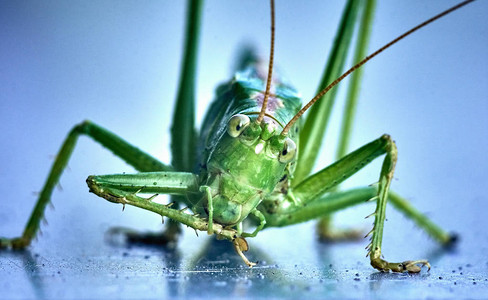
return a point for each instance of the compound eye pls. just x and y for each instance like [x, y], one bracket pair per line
[237, 124]
[288, 152]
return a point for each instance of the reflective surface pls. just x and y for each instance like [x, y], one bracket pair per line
[289, 267]
[117, 64]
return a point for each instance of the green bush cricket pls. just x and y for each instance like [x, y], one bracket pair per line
[231, 231]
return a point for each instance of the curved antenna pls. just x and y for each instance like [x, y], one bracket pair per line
[270, 66]
[366, 59]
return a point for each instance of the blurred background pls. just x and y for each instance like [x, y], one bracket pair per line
[117, 64]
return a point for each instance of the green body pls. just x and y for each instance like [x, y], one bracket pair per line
[242, 171]
[237, 167]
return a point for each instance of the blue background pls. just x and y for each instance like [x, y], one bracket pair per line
[117, 63]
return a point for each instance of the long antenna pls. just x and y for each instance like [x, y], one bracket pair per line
[367, 58]
[270, 66]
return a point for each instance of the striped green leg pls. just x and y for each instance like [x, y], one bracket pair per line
[130, 154]
[311, 201]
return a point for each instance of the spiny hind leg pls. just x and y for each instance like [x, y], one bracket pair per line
[125, 188]
[116, 186]
[130, 154]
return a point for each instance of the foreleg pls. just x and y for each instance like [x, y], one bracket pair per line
[123, 189]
